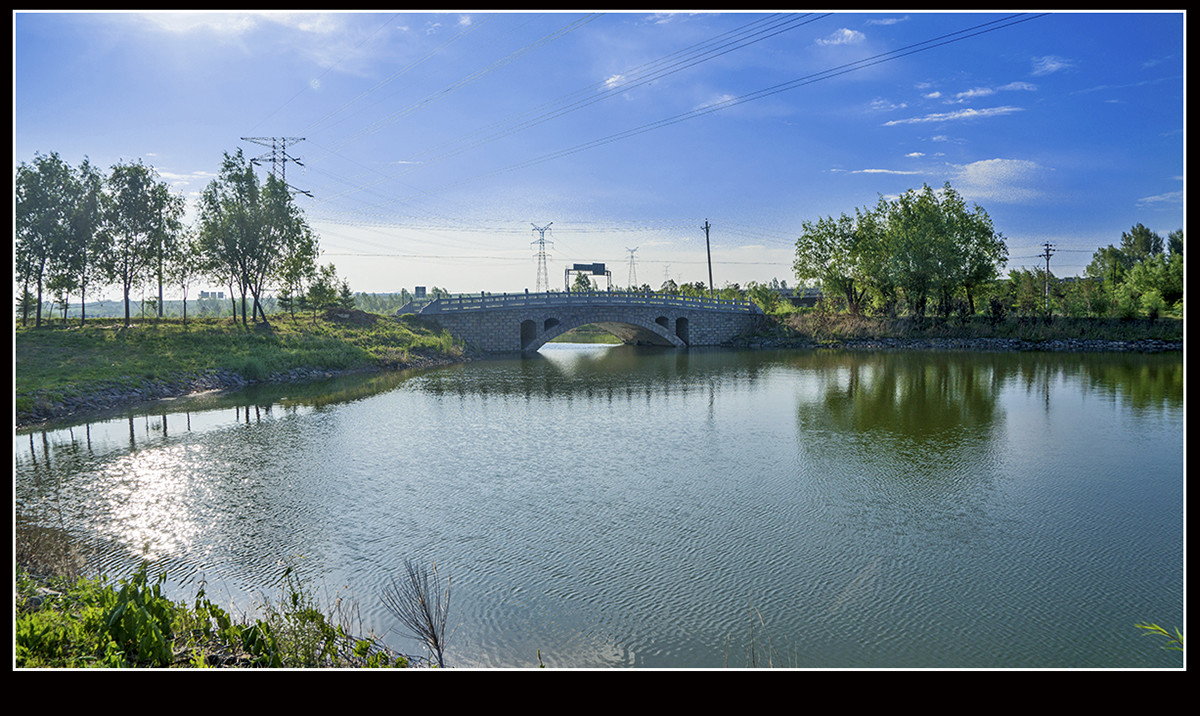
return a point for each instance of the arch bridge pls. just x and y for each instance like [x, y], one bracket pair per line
[499, 323]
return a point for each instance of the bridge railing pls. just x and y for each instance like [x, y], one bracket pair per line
[492, 301]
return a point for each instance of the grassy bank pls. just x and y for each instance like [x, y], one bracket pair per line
[818, 327]
[57, 364]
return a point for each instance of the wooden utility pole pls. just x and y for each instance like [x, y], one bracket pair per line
[1047, 253]
[708, 249]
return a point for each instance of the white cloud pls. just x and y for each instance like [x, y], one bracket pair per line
[976, 92]
[842, 36]
[1049, 64]
[915, 155]
[1171, 197]
[221, 23]
[887, 20]
[1000, 180]
[882, 105]
[884, 171]
[956, 115]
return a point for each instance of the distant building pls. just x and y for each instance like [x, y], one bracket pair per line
[212, 294]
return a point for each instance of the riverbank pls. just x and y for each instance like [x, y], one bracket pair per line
[73, 372]
[815, 330]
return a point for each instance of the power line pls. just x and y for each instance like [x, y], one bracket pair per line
[628, 80]
[923, 46]
[509, 59]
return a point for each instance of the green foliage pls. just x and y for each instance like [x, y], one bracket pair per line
[582, 282]
[92, 623]
[1174, 640]
[924, 246]
[764, 297]
[139, 620]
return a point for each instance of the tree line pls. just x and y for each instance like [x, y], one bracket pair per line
[78, 228]
[927, 251]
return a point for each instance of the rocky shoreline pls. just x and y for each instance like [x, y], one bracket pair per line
[971, 344]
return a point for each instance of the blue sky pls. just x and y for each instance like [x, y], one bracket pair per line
[433, 143]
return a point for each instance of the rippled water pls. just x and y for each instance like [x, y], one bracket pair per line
[611, 506]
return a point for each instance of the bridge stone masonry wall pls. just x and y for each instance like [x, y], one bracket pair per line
[499, 324]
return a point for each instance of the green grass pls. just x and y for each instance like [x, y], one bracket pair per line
[88, 623]
[57, 362]
[832, 327]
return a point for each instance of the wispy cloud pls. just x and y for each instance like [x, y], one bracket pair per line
[842, 36]
[976, 92]
[884, 171]
[1171, 197]
[1050, 64]
[887, 20]
[882, 105]
[955, 116]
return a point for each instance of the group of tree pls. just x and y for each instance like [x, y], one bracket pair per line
[924, 247]
[1142, 273]
[77, 228]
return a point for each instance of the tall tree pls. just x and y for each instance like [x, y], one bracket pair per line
[133, 218]
[167, 210]
[977, 252]
[44, 193]
[1140, 243]
[829, 250]
[248, 230]
[89, 232]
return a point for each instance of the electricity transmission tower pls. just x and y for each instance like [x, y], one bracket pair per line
[278, 157]
[632, 266]
[543, 278]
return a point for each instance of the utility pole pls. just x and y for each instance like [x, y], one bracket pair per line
[278, 157]
[543, 278]
[1049, 250]
[709, 250]
[632, 266]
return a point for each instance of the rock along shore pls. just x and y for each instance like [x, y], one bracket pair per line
[971, 344]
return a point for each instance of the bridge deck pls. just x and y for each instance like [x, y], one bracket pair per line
[583, 298]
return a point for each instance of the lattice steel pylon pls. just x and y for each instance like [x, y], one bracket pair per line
[632, 266]
[543, 276]
[278, 157]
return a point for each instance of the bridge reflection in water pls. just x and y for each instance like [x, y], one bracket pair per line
[498, 323]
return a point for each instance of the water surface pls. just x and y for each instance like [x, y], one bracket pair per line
[612, 506]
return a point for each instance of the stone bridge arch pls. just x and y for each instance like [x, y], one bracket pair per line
[536, 332]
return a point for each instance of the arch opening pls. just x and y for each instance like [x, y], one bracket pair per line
[528, 334]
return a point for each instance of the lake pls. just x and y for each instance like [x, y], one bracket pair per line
[611, 506]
